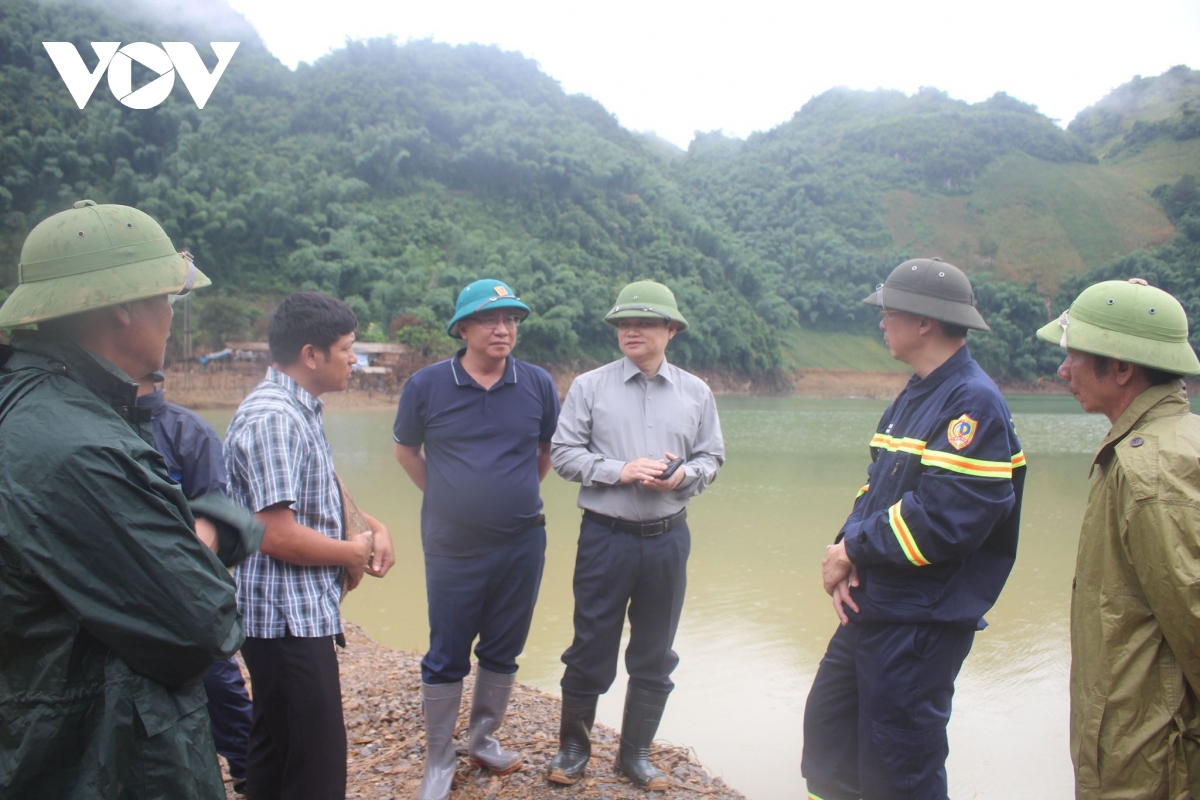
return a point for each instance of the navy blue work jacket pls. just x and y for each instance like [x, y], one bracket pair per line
[189, 446]
[934, 532]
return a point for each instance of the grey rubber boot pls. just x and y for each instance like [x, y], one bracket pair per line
[643, 712]
[574, 738]
[492, 691]
[440, 702]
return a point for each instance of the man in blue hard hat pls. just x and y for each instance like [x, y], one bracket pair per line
[473, 433]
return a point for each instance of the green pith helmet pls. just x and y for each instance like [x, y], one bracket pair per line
[92, 256]
[929, 287]
[480, 296]
[647, 299]
[1129, 321]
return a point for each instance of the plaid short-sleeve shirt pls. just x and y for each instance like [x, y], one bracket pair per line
[276, 452]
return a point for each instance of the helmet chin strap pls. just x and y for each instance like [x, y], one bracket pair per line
[190, 279]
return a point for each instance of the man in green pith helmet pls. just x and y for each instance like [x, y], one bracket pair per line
[115, 595]
[1135, 611]
[642, 437]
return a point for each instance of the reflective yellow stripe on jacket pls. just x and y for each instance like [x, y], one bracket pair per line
[952, 462]
[904, 536]
[897, 444]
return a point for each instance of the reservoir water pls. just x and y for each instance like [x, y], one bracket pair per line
[756, 620]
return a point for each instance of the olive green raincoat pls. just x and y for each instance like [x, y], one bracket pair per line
[110, 607]
[1135, 609]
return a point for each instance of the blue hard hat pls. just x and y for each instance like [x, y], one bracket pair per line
[481, 295]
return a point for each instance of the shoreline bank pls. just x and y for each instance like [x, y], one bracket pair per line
[385, 733]
[226, 389]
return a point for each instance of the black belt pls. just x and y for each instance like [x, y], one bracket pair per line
[654, 527]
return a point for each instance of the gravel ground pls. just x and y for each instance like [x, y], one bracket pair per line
[381, 699]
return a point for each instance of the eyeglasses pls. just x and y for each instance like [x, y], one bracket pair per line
[188, 281]
[640, 322]
[510, 321]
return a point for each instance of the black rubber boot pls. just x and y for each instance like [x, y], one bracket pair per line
[574, 738]
[643, 712]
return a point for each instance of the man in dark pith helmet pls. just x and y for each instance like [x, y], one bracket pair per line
[115, 595]
[923, 555]
[1135, 615]
[642, 437]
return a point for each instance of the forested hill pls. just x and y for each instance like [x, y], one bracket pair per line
[391, 175]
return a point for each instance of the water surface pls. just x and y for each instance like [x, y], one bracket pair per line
[756, 620]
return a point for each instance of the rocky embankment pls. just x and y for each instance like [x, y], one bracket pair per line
[381, 698]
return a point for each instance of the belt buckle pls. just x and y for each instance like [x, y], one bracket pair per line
[658, 528]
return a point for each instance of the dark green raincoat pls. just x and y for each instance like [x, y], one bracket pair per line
[110, 608]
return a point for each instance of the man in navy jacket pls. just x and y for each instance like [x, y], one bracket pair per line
[192, 451]
[922, 557]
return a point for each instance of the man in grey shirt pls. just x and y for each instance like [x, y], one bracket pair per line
[621, 430]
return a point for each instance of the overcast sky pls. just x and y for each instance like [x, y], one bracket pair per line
[678, 67]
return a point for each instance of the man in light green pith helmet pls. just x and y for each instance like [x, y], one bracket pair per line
[642, 438]
[115, 595]
[1135, 613]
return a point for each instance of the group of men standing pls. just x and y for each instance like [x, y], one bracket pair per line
[477, 434]
[932, 537]
[117, 537]
[115, 556]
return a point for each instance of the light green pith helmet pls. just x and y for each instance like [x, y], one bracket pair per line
[647, 299]
[1129, 321]
[92, 256]
[929, 287]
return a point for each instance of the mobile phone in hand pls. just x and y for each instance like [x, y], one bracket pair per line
[670, 470]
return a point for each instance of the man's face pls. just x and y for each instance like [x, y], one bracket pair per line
[334, 368]
[1097, 395]
[145, 338]
[901, 333]
[644, 338]
[491, 334]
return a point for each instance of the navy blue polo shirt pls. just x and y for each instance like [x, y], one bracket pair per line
[481, 473]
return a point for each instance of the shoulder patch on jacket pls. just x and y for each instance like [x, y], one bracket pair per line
[1138, 456]
[961, 431]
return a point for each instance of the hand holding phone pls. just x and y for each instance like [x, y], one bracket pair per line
[671, 468]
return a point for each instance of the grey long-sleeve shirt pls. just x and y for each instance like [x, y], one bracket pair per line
[613, 415]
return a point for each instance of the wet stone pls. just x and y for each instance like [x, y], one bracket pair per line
[381, 697]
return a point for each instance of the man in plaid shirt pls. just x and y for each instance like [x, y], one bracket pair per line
[281, 468]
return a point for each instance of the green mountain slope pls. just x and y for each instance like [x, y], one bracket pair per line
[1141, 111]
[388, 175]
[391, 175]
[1031, 221]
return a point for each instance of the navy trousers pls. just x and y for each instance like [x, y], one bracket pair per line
[490, 596]
[875, 722]
[617, 572]
[229, 710]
